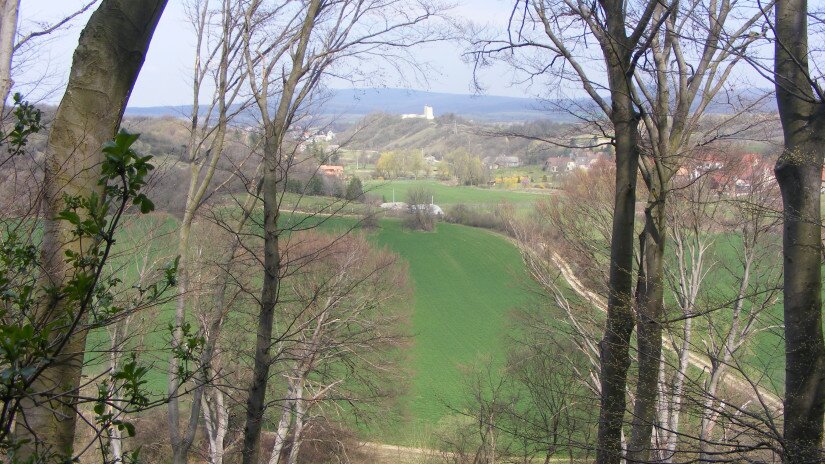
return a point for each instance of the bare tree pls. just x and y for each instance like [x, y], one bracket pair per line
[216, 61]
[341, 299]
[285, 70]
[674, 103]
[756, 221]
[690, 226]
[703, 374]
[621, 30]
[559, 245]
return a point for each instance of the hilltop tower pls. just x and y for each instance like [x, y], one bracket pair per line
[428, 114]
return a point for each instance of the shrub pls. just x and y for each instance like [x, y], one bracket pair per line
[370, 218]
[315, 186]
[294, 186]
[476, 217]
[419, 216]
[355, 190]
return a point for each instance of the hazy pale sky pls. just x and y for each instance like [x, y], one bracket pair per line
[164, 79]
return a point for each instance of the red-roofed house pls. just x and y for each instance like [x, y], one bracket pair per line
[332, 171]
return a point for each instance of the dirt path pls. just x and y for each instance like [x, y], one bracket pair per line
[769, 399]
[380, 453]
[391, 454]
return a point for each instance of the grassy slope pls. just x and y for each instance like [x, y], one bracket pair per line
[462, 297]
[466, 280]
[764, 355]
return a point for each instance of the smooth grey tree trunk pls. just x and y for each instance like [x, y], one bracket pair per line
[798, 172]
[8, 30]
[105, 65]
[615, 346]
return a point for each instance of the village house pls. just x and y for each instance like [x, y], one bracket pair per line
[558, 165]
[727, 174]
[316, 135]
[331, 171]
[585, 160]
[506, 162]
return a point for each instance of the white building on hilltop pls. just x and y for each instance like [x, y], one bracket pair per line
[428, 114]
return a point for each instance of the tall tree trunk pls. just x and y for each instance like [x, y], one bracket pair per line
[274, 167]
[8, 30]
[804, 349]
[255, 406]
[106, 63]
[649, 308]
[798, 172]
[615, 346]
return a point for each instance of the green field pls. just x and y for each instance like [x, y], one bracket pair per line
[449, 195]
[465, 281]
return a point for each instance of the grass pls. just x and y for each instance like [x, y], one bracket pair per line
[764, 355]
[462, 296]
[449, 195]
[321, 204]
[466, 281]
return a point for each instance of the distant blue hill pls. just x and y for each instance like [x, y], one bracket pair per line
[354, 104]
[482, 107]
[350, 105]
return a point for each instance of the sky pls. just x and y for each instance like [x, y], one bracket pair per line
[164, 79]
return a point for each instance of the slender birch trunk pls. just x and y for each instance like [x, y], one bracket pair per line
[282, 430]
[300, 416]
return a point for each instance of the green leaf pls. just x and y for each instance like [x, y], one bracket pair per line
[70, 216]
